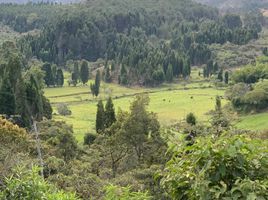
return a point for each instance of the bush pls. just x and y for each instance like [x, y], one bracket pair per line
[191, 119]
[63, 109]
[27, 184]
[89, 138]
[226, 167]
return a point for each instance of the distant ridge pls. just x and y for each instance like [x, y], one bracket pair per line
[236, 5]
[37, 1]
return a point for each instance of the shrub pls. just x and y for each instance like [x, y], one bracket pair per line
[89, 138]
[27, 184]
[227, 167]
[191, 119]
[63, 109]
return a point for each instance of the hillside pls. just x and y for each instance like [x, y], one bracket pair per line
[38, 1]
[236, 5]
[133, 100]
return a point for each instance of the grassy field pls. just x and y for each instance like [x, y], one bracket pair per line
[170, 102]
[254, 122]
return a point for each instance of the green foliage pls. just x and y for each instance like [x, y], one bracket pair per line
[27, 184]
[229, 166]
[124, 193]
[245, 99]
[59, 137]
[100, 117]
[7, 98]
[95, 87]
[191, 119]
[84, 72]
[63, 109]
[251, 74]
[89, 138]
[169, 74]
[109, 113]
[226, 77]
[59, 78]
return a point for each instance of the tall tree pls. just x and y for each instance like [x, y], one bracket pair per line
[7, 98]
[74, 79]
[169, 74]
[84, 72]
[107, 77]
[226, 77]
[97, 83]
[49, 80]
[109, 113]
[60, 78]
[100, 117]
[220, 75]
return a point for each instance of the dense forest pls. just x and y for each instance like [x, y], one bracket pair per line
[137, 54]
[135, 36]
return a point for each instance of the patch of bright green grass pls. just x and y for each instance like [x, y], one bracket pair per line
[254, 122]
[170, 106]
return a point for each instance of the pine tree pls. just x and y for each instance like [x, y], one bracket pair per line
[74, 79]
[97, 84]
[84, 72]
[109, 113]
[215, 67]
[186, 68]
[21, 102]
[48, 74]
[226, 77]
[76, 71]
[100, 117]
[7, 98]
[220, 75]
[169, 74]
[60, 78]
[107, 77]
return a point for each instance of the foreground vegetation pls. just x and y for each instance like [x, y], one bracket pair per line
[132, 100]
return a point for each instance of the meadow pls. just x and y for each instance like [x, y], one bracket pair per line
[171, 102]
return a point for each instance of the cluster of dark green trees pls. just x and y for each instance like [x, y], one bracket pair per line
[133, 35]
[105, 118]
[95, 87]
[250, 92]
[53, 75]
[21, 91]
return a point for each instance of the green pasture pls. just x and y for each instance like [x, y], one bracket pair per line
[254, 122]
[170, 105]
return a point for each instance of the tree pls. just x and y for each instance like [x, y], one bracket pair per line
[74, 79]
[59, 78]
[95, 87]
[84, 72]
[28, 184]
[191, 119]
[139, 125]
[7, 98]
[186, 68]
[169, 74]
[107, 77]
[49, 80]
[226, 77]
[220, 75]
[97, 83]
[218, 104]
[109, 113]
[100, 117]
